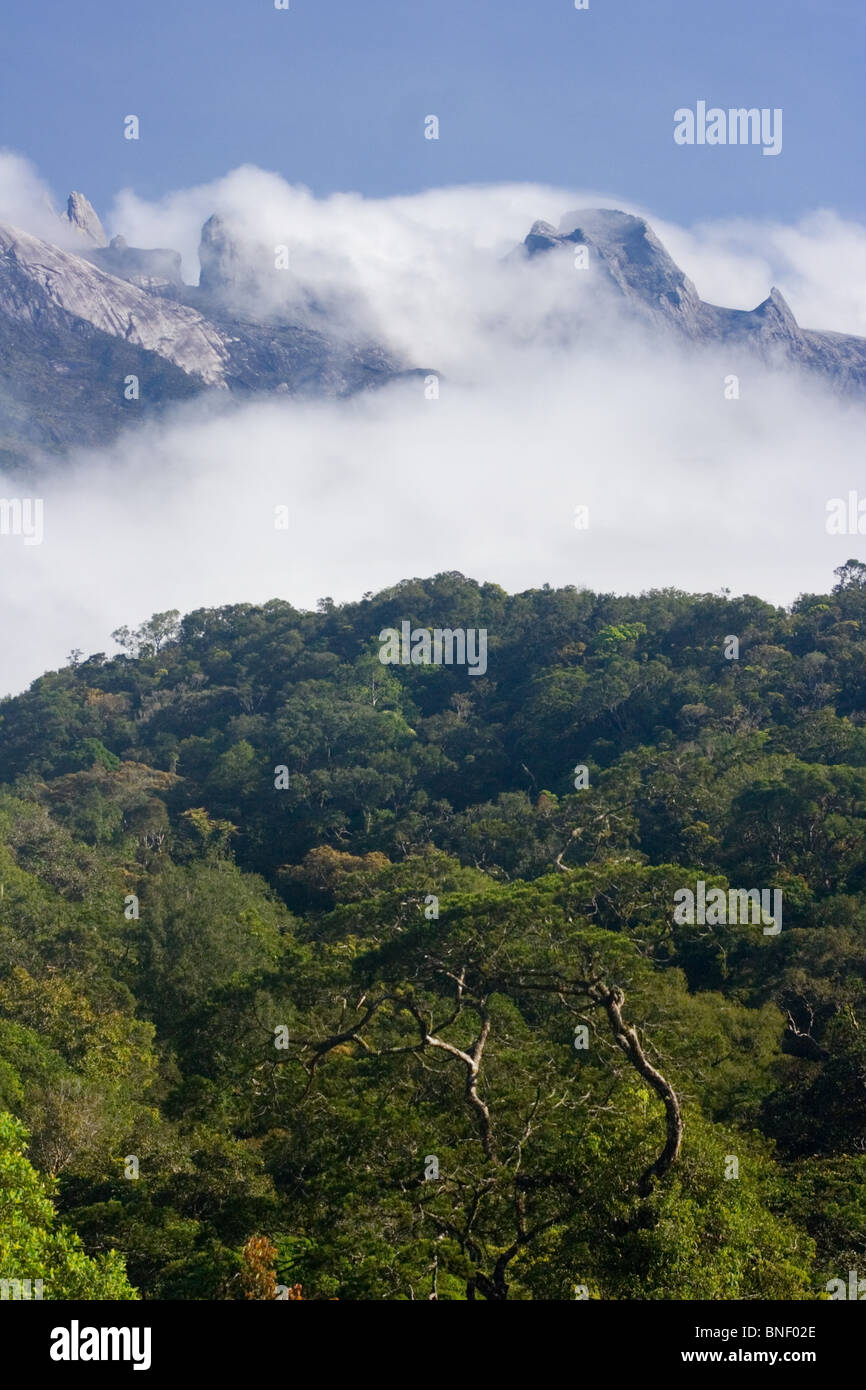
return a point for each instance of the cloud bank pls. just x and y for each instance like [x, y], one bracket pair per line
[684, 487]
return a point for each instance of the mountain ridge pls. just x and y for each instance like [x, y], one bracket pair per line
[656, 290]
[77, 324]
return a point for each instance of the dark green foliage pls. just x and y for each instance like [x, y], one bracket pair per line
[266, 994]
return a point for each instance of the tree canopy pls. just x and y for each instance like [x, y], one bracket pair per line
[337, 977]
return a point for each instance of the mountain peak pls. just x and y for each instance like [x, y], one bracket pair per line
[219, 257]
[632, 258]
[774, 321]
[81, 215]
[776, 302]
[627, 255]
[542, 237]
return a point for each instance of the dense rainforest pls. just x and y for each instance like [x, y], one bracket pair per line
[366, 981]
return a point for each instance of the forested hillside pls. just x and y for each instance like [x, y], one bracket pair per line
[343, 975]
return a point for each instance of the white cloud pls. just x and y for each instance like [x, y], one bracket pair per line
[684, 487]
[819, 265]
[25, 199]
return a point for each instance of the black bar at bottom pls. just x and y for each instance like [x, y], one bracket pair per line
[157, 1339]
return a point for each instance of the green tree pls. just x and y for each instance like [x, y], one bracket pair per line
[33, 1245]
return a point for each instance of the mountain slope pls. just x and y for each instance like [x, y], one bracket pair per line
[76, 324]
[40, 284]
[628, 257]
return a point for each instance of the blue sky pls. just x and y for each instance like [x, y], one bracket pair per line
[333, 94]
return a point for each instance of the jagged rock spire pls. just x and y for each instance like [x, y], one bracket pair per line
[81, 215]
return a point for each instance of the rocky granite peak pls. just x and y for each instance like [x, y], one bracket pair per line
[81, 330]
[222, 264]
[75, 326]
[82, 217]
[41, 286]
[626, 255]
[631, 257]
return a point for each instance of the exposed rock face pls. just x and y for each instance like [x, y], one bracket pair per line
[639, 265]
[75, 326]
[544, 237]
[628, 257]
[62, 384]
[81, 216]
[772, 333]
[39, 282]
[223, 272]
